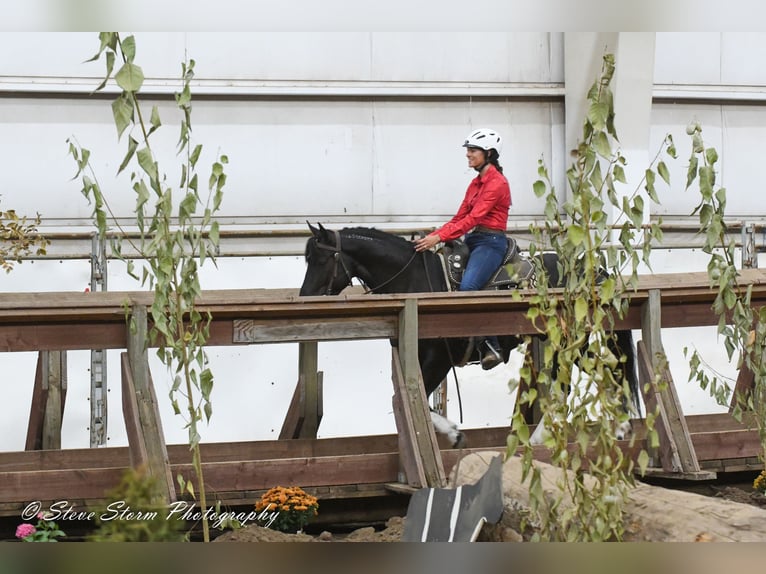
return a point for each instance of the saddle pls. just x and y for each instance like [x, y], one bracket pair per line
[516, 271]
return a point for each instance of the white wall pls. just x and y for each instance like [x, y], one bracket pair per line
[345, 127]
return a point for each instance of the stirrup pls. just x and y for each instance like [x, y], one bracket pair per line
[491, 357]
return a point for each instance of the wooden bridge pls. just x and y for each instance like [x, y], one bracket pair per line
[379, 469]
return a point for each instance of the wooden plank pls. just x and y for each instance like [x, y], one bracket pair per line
[55, 379]
[414, 397]
[667, 452]
[743, 388]
[150, 424]
[57, 485]
[740, 444]
[410, 461]
[324, 471]
[136, 443]
[219, 476]
[335, 329]
[211, 452]
[37, 411]
[296, 412]
[667, 394]
[308, 362]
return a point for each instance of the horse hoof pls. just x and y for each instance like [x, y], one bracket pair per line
[459, 441]
[624, 430]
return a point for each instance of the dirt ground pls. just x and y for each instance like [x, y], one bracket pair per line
[253, 533]
[394, 527]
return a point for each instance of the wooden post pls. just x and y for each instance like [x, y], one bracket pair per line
[667, 452]
[675, 422]
[305, 411]
[142, 418]
[417, 439]
[48, 400]
[744, 386]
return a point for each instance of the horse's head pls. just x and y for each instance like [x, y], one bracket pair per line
[326, 271]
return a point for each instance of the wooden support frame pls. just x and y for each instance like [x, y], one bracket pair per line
[418, 449]
[48, 400]
[743, 387]
[146, 439]
[304, 414]
[677, 455]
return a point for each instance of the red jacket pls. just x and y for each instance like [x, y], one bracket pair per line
[486, 203]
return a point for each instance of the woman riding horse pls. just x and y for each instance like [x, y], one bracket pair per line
[483, 216]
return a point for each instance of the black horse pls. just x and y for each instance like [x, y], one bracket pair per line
[387, 263]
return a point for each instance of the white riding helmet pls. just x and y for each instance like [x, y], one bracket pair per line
[485, 139]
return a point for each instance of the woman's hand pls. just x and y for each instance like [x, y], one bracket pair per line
[427, 242]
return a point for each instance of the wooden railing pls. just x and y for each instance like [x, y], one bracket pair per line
[55, 322]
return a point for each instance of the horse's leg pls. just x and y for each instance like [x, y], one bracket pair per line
[435, 365]
[622, 344]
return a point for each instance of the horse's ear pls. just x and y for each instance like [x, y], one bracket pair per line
[314, 230]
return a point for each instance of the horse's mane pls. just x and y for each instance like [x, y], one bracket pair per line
[388, 241]
[375, 234]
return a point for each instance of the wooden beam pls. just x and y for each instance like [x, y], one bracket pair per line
[308, 362]
[743, 388]
[136, 442]
[413, 397]
[306, 408]
[48, 401]
[150, 437]
[667, 394]
[54, 406]
[667, 452]
[37, 411]
[411, 464]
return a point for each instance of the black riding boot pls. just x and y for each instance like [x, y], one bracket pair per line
[491, 356]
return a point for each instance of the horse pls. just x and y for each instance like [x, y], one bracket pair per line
[388, 263]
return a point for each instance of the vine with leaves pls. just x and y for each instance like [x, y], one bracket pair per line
[582, 405]
[741, 325]
[19, 238]
[176, 235]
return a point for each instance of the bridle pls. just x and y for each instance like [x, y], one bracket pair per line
[338, 259]
[339, 262]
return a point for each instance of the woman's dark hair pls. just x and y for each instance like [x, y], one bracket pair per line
[492, 157]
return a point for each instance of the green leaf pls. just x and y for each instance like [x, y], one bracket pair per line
[109, 68]
[691, 172]
[146, 161]
[649, 187]
[619, 174]
[155, 120]
[581, 309]
[711, 155]
[662, 169]
[107, 39]
[194, 156]
[132, 145]
[597, 114]
[539, 188]
[122, 110]
[128, 46]
[575, 234]
[607, 289]
[214, 233]
[601, 141]
[130, 77]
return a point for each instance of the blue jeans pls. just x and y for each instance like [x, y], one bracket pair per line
[487, 252]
